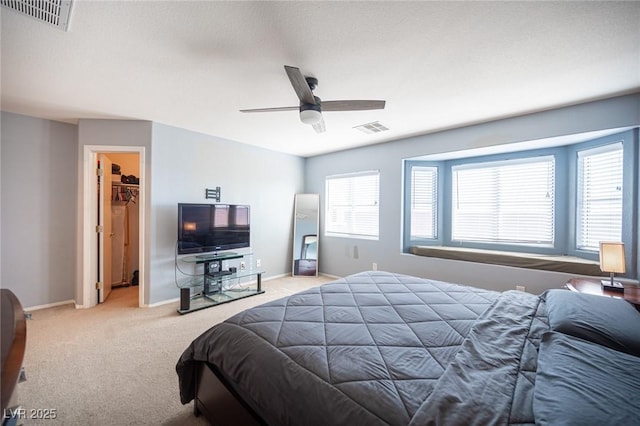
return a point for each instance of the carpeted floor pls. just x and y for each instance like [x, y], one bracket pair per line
[114, 364]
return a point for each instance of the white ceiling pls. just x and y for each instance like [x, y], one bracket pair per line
[437, 64]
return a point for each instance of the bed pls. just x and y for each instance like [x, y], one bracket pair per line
[391, 349]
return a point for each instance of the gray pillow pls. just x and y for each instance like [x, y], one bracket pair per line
[607, 321]
[581, 383]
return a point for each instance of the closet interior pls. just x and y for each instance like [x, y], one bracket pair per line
[124, 219]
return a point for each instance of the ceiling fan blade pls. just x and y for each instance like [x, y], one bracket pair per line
[352, 105]
[292, 108]
[319, 126]
[300, 85]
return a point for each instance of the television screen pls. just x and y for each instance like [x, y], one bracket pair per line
[212, 227]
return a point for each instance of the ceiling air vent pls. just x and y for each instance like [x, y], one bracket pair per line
[374, 127]
[52, 12]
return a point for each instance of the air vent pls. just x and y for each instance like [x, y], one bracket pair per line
[52, 12]
[374, 127]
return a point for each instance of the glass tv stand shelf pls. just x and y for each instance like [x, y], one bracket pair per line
[225, 277]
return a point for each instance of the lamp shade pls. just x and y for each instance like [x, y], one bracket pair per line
[310, 116]
[612, 257]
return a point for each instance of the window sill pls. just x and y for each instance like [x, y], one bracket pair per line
[566, 264]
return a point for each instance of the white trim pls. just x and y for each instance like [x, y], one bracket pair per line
[504, 162]
[607, 147]
[335, 277]
[164, 302]
[353, 174]
[49, 305]
[89, 211]
[275, 277]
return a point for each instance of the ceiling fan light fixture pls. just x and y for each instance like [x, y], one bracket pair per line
[310, 116]
[311, 106]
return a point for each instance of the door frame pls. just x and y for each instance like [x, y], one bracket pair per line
[105, 236]
[89, 240]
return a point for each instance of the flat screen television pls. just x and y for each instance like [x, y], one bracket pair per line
[206, 228]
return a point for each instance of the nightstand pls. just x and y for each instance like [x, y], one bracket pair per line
[592, 286]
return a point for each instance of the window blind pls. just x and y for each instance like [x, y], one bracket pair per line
[352, 205]
[599, 203]
[424, 204]
[509, 201]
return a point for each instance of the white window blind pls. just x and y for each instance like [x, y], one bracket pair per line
[352, 205]
[508, 202]
[424, 202]
[599, 196]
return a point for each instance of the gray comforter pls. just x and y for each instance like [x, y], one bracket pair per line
[380, 348]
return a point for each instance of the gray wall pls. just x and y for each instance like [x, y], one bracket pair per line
[342, 256]
[111, 133]
[39, 209]
[42, 198]
[180, 164]
[185, 163]
[39, 220]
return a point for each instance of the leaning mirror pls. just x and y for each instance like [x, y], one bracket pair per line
[305, 235]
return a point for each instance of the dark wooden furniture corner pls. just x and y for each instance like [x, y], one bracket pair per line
[592, 286]
[218, 402]
[14, 339]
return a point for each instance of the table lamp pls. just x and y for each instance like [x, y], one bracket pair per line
[612, 261]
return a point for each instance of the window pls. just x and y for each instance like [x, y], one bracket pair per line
[599, 204]
[508, 202]
[352, 205]
[557, 200]
[424, 202]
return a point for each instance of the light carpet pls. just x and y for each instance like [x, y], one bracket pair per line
[114, 364]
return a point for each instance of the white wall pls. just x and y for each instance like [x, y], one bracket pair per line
[39, 209]
[185, 163]
[343, 256]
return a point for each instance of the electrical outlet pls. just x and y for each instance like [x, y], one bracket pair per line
[521, 288]
[374, 266]
[243, 265]
[258, 263]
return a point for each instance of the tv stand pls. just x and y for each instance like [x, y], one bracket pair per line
[219, 281]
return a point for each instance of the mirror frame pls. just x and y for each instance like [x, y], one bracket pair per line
[303, 210]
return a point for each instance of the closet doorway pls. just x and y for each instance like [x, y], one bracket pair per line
[113, 218]
[118, 211]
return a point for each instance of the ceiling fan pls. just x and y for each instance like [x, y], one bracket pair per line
[311, 106]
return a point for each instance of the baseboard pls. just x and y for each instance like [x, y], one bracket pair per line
[50, 305]
[335, 277]
[276, 277]
[164, 302]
